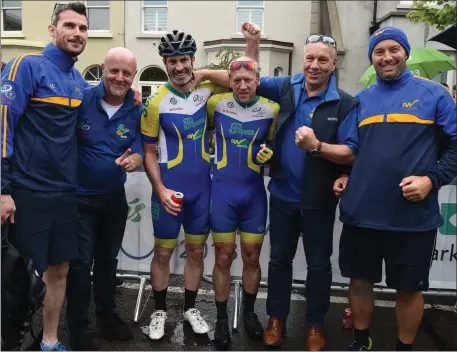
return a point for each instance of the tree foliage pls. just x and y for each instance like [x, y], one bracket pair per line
[440, 13]
[224, 57]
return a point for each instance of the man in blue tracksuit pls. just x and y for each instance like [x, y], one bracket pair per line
[109, 145]
[407, 150]
[40, 96]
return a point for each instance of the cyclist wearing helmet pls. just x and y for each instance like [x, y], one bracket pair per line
[243, 122]
[177, 160]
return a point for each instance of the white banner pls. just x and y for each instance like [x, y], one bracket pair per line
[137, 247]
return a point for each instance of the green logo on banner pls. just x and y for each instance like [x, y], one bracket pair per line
[134, 213]
[449, 213]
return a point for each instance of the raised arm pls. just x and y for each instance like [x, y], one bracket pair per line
[252, 33]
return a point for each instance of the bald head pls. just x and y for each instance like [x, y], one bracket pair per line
[119, 69]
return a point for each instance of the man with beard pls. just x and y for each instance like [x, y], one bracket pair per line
[40, 96]
[109, 145]
[407, 150]
[177, 160]
[243, 122]
[314, 138]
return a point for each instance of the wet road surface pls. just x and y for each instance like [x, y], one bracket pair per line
[437, 332]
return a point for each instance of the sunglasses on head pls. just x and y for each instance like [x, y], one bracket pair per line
[248, 65]
[314, 38]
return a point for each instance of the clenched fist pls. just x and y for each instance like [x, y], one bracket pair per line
[305, 138]
[251, 31]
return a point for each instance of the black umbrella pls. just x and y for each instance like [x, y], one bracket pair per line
[447, 37]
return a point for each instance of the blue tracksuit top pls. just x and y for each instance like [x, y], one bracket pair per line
[40, 96]
[101, 141]
[406, 127]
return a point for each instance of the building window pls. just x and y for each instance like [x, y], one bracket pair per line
[93, 74]
[98, 15]
[278, 71]
[11, 16]
[150, 80]
[155, 15]
[249, 11]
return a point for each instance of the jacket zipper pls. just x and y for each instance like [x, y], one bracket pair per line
[387, 103]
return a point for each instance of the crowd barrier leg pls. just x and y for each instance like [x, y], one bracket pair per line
[237, 308]
[139, 299]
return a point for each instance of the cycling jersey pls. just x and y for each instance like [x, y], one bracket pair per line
[238, 192]
[177, 123]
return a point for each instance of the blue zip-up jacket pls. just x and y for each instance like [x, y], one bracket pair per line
[407, 127]
[40, 96]
[102, 140]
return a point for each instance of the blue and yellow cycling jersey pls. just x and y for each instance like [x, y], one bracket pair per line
[240, 130]
[177, 123]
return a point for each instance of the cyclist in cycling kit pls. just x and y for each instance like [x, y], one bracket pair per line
[177, 160]
[243, 122]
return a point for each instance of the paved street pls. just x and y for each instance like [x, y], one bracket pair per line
[437, 332]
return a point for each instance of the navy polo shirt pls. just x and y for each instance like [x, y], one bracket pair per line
[102, 140]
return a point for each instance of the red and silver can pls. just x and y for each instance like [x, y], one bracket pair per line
[178, 198]
[347, 319]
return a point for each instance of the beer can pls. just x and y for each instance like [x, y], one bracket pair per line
[347, 319]
[178, 198]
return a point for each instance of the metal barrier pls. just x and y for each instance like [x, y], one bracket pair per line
[238, 293]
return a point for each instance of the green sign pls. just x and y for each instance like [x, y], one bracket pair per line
[449, 211]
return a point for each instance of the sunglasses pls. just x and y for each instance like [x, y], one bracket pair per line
[248, 65]
[314, 38]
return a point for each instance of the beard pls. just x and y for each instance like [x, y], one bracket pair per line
[68, 47]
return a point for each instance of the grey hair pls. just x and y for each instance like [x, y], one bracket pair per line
[75, 6]
[334, 50]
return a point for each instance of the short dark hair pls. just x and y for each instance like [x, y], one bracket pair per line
[445, 85]
[453, 87]
[75, 6]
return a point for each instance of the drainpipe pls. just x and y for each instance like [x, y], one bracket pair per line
[290, 63]
[374, 23]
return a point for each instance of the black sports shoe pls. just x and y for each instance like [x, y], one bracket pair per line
[222, 334]
[113, 327]
[356, 346]
[252, 326]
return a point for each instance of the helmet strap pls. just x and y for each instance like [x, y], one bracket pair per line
[190, 80]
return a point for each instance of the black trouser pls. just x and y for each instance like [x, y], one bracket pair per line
[102, 221]
[287, 222]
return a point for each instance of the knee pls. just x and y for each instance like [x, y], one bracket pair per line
[162, 255]
[224, 258]
[57, 273]
[251, 259]
[195, 254]
[361, 287]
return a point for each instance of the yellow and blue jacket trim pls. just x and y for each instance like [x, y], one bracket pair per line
[40, 96]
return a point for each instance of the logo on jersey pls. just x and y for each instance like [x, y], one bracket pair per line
[237, 128]
[240, 143]
[195, 135]
[189, 123]
[122, 131]
[173, 101]
[261, 228]
[78, 90]
[257, 109]
[409, 104]
[8, 93]
[195, 97]
[83, 127]
[230, 105]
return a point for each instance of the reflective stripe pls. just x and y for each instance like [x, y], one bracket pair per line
[252, 237]
[59, 101]
[5, 122]
[195, 239]
[224, 236]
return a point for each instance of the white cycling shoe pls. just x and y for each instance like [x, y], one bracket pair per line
[157, 325]
[199, 326]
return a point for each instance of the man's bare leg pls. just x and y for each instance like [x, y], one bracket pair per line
[193, 272]
[56, 282]
[361, 301]
[409, 310]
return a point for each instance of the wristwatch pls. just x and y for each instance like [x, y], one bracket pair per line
[317, 151]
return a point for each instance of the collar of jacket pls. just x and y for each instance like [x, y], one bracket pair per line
[396, 82]
[331, 93]
[129, 102]
[64, 61]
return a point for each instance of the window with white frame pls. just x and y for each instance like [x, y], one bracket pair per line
[11, 16]
[155, 15]
[97, 14]
[249, 11]
[93, 74]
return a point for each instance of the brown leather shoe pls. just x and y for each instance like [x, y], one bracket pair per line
[315, 340]
[274, 332]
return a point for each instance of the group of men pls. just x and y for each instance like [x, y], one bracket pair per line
[66, 148]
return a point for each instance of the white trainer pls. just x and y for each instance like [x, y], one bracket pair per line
[195, 320]
[157, 325]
